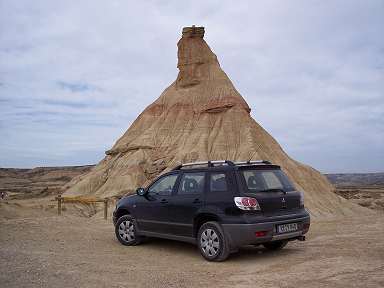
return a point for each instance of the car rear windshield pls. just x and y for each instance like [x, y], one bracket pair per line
[267, 181]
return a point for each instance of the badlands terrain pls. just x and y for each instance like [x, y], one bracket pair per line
[78, 249]
[365, 189]
[199, 116]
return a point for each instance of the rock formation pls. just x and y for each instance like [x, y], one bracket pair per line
[200, 116]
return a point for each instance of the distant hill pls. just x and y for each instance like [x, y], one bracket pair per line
[357, 179]
[39, 181]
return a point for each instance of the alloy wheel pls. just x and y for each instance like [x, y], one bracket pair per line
[127, 231]
[210, 242]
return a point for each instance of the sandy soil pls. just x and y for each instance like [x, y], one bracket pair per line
[45, 250]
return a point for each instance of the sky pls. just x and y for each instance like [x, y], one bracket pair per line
[75, 74]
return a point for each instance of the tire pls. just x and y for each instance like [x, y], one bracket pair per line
[212, 243]
[125, 230]
[275, 245]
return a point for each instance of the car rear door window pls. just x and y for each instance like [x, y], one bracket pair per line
[218, 182]
[192, 183]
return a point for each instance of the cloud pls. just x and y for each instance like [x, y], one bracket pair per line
[74, 75]
[75, 87]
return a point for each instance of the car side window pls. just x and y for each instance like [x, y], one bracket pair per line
[218, 182]
[163, 186]
[192, 183]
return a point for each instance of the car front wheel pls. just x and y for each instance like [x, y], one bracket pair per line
[212, 242]
[125, 230]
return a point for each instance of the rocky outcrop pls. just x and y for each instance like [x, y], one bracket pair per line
[201, 116]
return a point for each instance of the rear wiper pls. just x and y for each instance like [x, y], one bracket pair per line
[273, 190]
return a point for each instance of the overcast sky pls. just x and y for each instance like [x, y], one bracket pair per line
[75, 74]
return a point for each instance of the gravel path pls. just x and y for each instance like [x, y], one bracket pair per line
[72, 251]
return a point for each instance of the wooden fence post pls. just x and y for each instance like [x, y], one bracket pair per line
[59, 204]
[105, 209]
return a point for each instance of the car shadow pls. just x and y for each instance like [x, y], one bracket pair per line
[250, 252]
[169, 245]
[245, 253]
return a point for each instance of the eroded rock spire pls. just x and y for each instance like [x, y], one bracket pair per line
[201, 116]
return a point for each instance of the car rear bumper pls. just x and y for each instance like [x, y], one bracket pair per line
[245, 234]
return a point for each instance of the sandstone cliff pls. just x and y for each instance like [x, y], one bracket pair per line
[200, 116]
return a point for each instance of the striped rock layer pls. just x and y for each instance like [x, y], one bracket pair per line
[200, 116]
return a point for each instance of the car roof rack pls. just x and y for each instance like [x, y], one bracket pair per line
[250, 162]
[212, 163]
[222, 162]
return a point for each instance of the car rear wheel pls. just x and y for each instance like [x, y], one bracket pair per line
[275, 245]
[125, 230]
[212, 242]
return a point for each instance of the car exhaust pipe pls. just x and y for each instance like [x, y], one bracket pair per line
[301, 238]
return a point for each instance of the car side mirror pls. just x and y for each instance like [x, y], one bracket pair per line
[141, 191]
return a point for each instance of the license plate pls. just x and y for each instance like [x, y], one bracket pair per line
[285, 228]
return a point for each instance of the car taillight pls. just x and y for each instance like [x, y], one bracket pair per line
[247, 203]
[301, 199]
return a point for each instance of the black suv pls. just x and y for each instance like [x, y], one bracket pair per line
[218, 205]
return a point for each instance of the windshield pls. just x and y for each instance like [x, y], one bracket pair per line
[267, 181]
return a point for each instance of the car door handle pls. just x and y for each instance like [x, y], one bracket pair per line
[164, 201]
[196, 201]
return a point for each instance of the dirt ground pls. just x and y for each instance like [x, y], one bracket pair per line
[45, 250]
